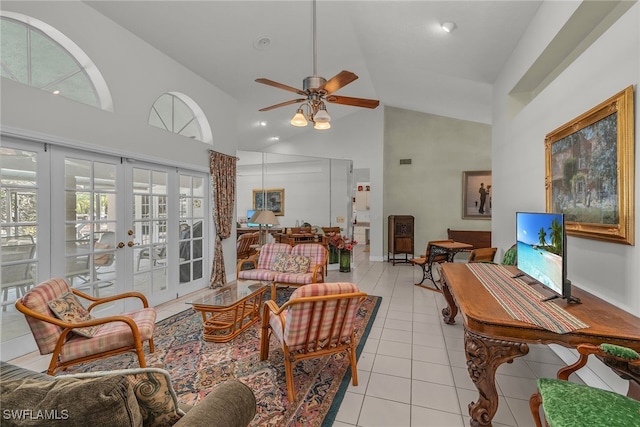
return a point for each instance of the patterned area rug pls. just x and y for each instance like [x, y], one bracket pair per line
[197, 366]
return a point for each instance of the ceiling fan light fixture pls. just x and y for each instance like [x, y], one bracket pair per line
[299, 119]
[322, 116]
[322, 125]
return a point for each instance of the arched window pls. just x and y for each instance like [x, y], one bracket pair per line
[177, 113]
[36, 54]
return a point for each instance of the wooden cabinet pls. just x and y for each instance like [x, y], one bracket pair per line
[400, 237]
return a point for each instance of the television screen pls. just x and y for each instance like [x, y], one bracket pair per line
[541, 253]
[249, 215]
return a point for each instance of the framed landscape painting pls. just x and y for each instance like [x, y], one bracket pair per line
[271, 199]
[476, 195]
[589, 171]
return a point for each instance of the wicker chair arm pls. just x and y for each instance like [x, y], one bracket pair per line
[98, 301]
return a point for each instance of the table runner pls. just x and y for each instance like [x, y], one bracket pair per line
[522, 302]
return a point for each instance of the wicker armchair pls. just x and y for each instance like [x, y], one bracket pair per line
[317, 321]
[62, 339]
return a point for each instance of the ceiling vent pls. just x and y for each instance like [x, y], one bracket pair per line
[405, 161]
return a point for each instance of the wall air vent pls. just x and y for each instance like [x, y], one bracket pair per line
[405, 161]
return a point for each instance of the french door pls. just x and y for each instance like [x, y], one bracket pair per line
[106, 224]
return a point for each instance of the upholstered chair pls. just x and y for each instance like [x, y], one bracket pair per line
[565, 403]
[62, 327]
[317, 321]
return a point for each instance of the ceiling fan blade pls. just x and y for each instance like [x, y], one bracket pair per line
[356, 102]
[281, 86]
[341, 79]
[282, 104]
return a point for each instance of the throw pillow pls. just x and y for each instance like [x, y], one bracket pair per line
[152, 388]
[69, 309]
[287, 263]
[105, 401]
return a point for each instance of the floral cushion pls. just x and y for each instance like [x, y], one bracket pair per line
[153, 390]
[69, 309]
[287, 263]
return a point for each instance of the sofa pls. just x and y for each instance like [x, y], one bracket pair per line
[283, 264]
[130, 397]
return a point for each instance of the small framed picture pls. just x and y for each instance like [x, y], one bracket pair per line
[476, 195]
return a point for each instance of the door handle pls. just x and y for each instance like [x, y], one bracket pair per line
[130, 243]
[120, 245]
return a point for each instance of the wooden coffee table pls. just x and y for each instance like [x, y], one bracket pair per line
[229, 310]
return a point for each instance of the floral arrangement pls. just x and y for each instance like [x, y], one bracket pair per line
[341, 242]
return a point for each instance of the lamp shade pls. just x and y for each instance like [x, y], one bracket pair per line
[264, 218]
[299, 119]
[322, 116]
[322, 125]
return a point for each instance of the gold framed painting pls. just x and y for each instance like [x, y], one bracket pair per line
[271, 199]
[476, 195]
[589, 171]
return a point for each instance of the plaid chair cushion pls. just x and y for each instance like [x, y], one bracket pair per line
[111, 336]
[268, 254]
[37, 299]
[294, 278]
[257, 274]
[299, 321]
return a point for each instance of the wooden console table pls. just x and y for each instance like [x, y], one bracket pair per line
[492, 337]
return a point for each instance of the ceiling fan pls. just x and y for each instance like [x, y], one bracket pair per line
[316, 91]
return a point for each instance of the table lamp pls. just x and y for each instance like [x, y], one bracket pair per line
[264, 218]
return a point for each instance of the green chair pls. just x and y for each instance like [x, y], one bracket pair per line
[567, 404]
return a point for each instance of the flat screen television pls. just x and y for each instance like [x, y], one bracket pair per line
[542, 251]
[249, 215]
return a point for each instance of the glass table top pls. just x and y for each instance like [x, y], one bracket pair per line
[229, 294]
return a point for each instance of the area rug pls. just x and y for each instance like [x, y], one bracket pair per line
[197, 366]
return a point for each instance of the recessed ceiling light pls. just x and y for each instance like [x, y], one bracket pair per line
[275, 138]
[263, 123]
[448, 26]
[262, 42]
[56, 92]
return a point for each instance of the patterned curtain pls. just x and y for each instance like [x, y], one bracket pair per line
[223, 175]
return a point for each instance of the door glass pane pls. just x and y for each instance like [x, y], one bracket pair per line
[191, 219]
[90, 226]
[150, 230]
[19, 235]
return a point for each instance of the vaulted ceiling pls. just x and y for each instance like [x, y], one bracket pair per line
[397, 48]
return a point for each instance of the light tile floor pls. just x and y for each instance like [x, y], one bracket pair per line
[412, 371]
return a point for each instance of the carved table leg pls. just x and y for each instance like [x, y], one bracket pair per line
[448, 313]
[484, 355]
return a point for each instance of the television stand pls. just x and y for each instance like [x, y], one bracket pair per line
[570, 300]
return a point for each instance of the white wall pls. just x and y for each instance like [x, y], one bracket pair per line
[137, 75]
[430, 188]
[358, 137]
[609, 65]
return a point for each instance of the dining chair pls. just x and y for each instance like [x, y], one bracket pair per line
[482, 255]
[566, 403]
[317, 321]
